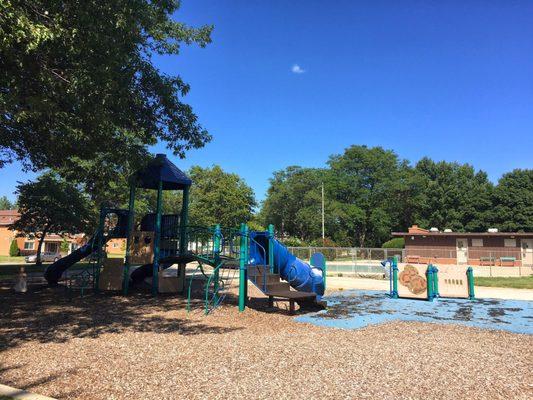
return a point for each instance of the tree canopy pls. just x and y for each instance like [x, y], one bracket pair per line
[293, 202]
[219, 197]
[51, 205]
[6, 204]
[371, 192]
[78, 89]
[453, 196]
[513, 201]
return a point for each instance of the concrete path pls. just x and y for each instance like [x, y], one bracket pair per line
[482, 292]
[20, 394]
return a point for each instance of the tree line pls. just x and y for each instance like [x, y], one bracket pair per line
[370, 192]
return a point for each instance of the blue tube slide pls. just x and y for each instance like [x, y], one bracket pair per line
[300, 275]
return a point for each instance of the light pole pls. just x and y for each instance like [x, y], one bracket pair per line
[323, 230]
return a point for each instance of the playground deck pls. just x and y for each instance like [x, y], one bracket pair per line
[142, 347]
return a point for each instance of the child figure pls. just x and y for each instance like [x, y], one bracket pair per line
[21, 286]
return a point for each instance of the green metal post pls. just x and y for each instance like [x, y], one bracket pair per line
[435, 281]
[324, 274]
[470, 277]
[184, 240]
[429, 277]
[243, 278]
[271, 233]
[157, 240]
[246, 259]
[127, 262]
[394, 293]
[216, 255]
[99, 243]
[184, 220]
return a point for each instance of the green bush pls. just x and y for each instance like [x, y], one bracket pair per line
[14, 249]
[64, 246]
[396, 243]
[327, 242]
[291, 241]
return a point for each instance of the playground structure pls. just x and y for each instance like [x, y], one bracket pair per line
[429, 282]
[156, 242]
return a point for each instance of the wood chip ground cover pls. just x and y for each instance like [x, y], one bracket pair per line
[111, 347]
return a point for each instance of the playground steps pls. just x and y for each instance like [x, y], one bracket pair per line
[276, 288]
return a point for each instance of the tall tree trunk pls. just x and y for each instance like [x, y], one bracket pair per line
[40, 245]
[362, 237]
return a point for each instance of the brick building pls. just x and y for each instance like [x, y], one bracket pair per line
[27, 244]
[484, 248]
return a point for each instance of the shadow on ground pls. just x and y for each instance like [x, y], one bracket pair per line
[46, 314]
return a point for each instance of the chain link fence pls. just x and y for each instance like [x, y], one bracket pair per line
[365, 260]
[351, 260]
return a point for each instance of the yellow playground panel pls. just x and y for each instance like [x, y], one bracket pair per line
[453, 281]
[142, 247]
[171, 281]
[111, 274]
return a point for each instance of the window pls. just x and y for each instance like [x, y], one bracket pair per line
[509, 242]
[28, 245]
[477, 242]
[50, 247]
[115, 245]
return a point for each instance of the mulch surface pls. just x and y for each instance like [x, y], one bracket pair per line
[113, 347]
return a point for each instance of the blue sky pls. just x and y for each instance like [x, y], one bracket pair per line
[292, 82]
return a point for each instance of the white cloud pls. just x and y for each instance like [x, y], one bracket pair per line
[297, 69]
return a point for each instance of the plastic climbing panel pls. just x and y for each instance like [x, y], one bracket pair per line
[142, 247]
[412, 281]
[453, 281]
[111, 274]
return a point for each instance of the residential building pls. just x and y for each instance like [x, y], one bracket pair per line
[28, 244]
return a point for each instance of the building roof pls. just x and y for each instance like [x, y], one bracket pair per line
[415, 230]
[7, 217]
[161, 169]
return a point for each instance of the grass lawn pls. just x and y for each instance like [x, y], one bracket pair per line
[8, 271]
[9, 259]
[524, 282]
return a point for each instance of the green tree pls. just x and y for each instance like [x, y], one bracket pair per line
[365, 183]
[79, 92]
[5, 204]
[395, 243]
[64, 245]
[219, 197]
[294, 203]
[14, 249]
[51, 205]
[513, 201]
[453, 196]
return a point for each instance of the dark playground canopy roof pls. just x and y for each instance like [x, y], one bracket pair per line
[161, 169]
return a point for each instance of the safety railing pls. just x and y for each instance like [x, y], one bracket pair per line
[348, 255]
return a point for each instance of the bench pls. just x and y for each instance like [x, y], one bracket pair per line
[413, 259]
[486, 260]
[509, 261]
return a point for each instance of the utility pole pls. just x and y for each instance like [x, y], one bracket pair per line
[323, 230]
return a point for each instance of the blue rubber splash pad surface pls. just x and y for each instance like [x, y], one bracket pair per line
[355, 309]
